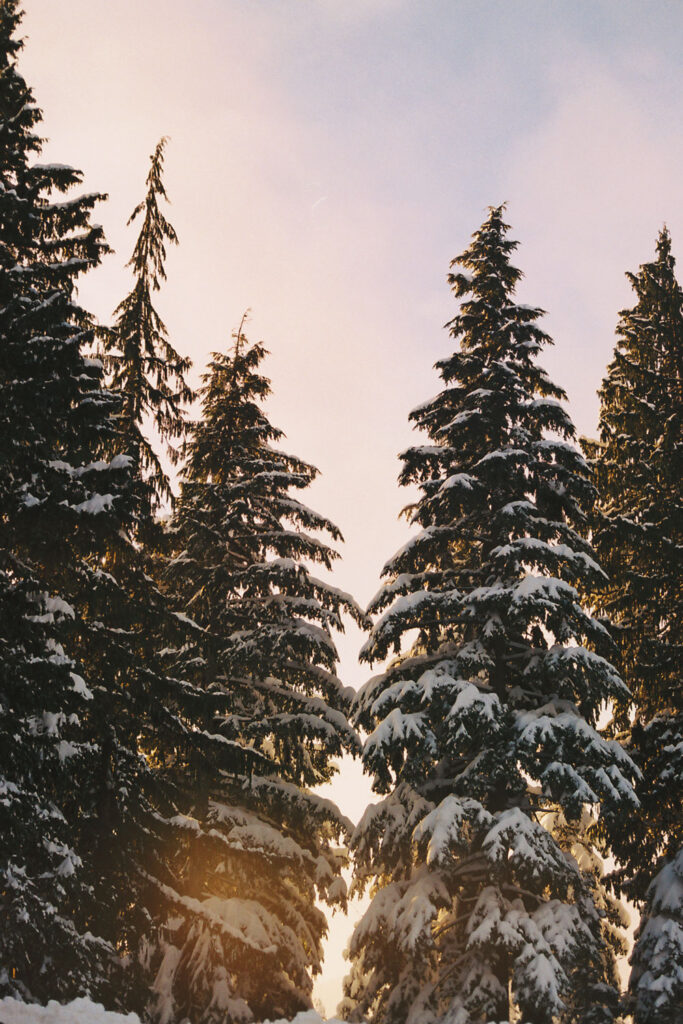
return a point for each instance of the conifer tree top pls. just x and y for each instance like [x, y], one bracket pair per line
[245, 530]
[16, 98]
[149, 254]
[145, 366]
[639, 462]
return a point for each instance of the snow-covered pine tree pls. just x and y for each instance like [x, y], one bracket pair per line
[482, 729]
[56, 503]
[88, 712]
[262, 846]
[144, 366]
[43, 953]
[638, 535]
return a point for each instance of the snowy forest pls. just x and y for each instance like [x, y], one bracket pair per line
[171, 702]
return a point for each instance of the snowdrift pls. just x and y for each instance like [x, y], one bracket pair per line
[83, 1011]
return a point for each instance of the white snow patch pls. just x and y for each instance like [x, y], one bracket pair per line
[80, 1011]
[79, 685]
[98, 503]
[306, 1017]
[57, 606]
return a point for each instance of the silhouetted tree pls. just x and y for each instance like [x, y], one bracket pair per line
[638, 534]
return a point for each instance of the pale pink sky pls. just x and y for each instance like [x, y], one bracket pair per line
[327, 160]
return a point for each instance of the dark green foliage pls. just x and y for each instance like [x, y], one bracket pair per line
[43, 954]
[261, 846]
[638, 534]
[483, 735]
[57, 504]
[88, 713]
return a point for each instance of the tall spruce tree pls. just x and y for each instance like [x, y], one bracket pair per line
[638, 535]
[88, 712]
[145, 368]
[261, 846]
[58, 503]
[483, 735]
[148, 716]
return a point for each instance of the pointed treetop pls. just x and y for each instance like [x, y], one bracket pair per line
[490, 326]
[146, 368]
[487, 257]
[664, 242]
[10, 18]
[19, 116]
[149, 254]
[238, 335]
[661, 269]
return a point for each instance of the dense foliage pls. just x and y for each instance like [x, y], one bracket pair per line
[59, 503]
[638, 534]
[483, 728]
[261, 846]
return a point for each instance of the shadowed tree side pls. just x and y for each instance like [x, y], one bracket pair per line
[638, 534]
[88, 713]
[60, 503]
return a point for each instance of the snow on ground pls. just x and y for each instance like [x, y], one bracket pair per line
[83, 1011]
[307, 1017]
[80, 1011]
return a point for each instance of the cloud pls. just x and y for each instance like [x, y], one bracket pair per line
[589, 190]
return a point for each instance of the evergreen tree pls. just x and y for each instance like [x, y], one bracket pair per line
[483, 735]
[261, 846]
[638, 535]
[144, 718]
[145, 368]
[88, 712]
[57, 503]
